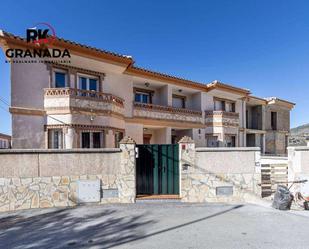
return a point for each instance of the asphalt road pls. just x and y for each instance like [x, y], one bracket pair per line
[155, 225]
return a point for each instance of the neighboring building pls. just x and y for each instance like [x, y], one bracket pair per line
[101, 96]
[5, 141]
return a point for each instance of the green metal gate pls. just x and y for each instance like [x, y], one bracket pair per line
[157, 169]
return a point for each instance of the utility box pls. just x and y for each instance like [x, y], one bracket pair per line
[88, 191]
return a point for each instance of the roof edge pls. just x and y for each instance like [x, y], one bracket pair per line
[276, 100]
[74, 46]
[142, 72]
[226, 87]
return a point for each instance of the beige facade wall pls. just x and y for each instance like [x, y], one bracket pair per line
[135, 131]
[27, 84]
[28, 132]
[121, 86]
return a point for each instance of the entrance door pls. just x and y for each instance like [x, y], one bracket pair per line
[157, 169]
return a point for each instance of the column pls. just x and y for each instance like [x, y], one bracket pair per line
[69, 135]
[186, 168]
[126, 177]
[109, 139]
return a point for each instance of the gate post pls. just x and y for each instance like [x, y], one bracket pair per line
[186, 165]
[127, 173]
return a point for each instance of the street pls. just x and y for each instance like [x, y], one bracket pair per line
[155, 225]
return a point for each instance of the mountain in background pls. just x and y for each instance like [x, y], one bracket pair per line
[300, 130]
[299, 135]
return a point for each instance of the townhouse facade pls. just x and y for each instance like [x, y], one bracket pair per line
[100, 97]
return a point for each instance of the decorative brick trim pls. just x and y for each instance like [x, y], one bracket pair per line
[186, 140]
[83, 94]
[222, 113]
[26, 111]
[79, 110]
[82, 127]
[170, 109]
[78, 69]
[127, 140]
[221, 124]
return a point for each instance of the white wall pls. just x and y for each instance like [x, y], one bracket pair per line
[298, 168]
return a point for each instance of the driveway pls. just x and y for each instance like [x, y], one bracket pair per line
[155, 225]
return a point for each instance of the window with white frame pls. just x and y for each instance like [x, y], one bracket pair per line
[90, 139]
[55, 139]
[60, 78]
[142, 97]
[88, 83]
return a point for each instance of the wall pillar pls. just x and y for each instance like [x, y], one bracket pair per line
[186, 167]
[109, 139]
[264, 143]
[166, 93]
[69, 138]
[127, 176]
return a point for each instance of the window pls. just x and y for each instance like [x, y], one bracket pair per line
[212, 141]
[96, 139]
[179, 101]
[230, 107]
[118, 138]
[142, 97]
[224, 105]
[55, 139]
[231, 141]
[91, 140]
[247, 119]
[274, 120]
[88, 84]
[60, 79]
[85, 139]
[219, 105]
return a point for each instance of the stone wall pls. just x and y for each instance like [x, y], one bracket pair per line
[219, 174]
[49, 178]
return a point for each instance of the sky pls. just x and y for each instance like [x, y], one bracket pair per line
[256, 44]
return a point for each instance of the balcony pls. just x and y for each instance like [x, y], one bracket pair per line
[62, 100]
[168, 113]
[222, 118]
